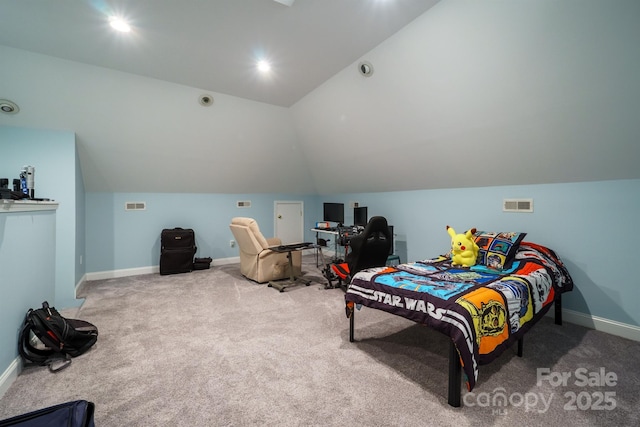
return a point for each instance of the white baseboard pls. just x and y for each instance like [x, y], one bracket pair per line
[612, 327]
[125, 272]
[113, 274]
[225, 261]
[80, 283]
[9, 375]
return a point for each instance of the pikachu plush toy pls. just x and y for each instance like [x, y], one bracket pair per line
[464, 249]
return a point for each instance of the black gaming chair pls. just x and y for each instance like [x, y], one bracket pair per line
[368, 249]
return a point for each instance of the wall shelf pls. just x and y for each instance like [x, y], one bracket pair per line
[7, 205]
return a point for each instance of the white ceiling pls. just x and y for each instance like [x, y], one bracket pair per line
[212, 45]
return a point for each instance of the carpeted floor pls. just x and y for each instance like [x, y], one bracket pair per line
[210, 348]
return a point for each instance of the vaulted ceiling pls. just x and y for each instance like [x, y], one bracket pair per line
[212, 45]
[463, 94]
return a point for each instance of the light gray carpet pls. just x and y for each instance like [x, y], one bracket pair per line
[209, 348]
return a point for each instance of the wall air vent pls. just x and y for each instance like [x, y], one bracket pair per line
[135, 206]
[517, 205]
[243, 204]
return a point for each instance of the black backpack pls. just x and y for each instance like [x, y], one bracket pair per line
[62, 338]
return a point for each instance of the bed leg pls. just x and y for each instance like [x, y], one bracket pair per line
[520, 346]
[455, 376]
[351, 325]
[558, 308]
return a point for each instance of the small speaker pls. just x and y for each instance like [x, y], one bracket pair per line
[365, 68]
[206, 100]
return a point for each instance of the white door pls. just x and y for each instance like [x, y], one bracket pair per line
[289, 221]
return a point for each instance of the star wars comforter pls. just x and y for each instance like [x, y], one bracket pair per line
[482, 310]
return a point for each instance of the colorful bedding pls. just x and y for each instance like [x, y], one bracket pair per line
[481, 309]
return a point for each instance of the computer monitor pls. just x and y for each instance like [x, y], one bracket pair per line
[360, 216]
[333, 212]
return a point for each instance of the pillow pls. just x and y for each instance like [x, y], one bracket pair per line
[497, 250]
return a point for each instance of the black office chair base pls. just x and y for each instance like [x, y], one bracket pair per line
[333, 281]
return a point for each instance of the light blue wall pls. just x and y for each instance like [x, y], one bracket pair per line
[27, 266]
[53, 154]
[80, 213]
[119, 239]
[591, 225]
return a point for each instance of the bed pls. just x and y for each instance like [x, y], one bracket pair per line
[484, 309]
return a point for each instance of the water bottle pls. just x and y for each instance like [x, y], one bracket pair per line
[23, 182]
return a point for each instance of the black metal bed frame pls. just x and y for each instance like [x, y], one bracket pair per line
[455, 368]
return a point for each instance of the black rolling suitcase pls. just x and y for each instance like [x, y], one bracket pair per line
[177, 250]
[78, 413]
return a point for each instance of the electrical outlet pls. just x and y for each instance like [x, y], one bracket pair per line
[232, 243]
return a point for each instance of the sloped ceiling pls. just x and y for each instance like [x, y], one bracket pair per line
[212, 45]
[468, 94]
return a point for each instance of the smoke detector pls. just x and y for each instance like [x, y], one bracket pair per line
[8, 107]
[206, 100]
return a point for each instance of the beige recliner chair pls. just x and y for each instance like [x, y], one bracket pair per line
[256, 261]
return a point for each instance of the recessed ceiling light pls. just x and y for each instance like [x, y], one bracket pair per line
[119, 24]
[264, 66]
[8, 107]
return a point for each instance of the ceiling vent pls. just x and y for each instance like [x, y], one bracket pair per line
[517, 205]
[243, 204]
[135, 206]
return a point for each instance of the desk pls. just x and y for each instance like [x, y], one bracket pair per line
[338, 233]
[335, 242]
[292, 280]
